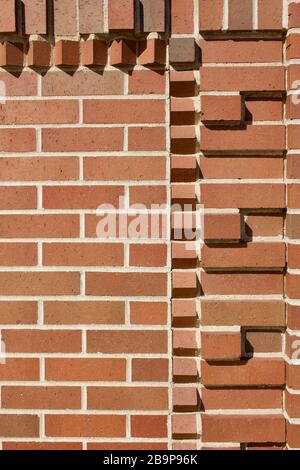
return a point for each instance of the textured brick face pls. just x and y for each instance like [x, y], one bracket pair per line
[147, 341]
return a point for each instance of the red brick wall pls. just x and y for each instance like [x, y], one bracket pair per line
[149, 342]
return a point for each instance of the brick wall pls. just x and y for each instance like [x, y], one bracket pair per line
[146, 341]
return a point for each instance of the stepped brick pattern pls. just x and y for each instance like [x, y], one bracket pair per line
[184, 336]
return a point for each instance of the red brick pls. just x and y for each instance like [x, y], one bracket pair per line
[231, 428]
[129, 111]
[94, 52]
[252, 373]
[185, 398]
[20, 370]
[80, 197]
[270, 14]
[264, 109]
[39, 226]
[294, 15]
[127, 341]
[211, 15]
[126, 284]
[149, 426]
[35, 16]
[39, 54]
[221, 108]
[122, 52]
[17, 140]
[67, 53]
[88, 139]
[240, 15]
[153, 15]
[151, 51]
[90, 16]
[185, 343]
[222, 227]
[18, 197]
[39, 169]
[39, 112]
[221, 346]
[127, 446]
[146, 138]
[182, 21]
[147, 82]
[263, 225]
[150, 370]
[241, 167]
[241, 399]
[184, 426]
[85, 369]
[83, 312]
[83, 254]
[148, 255]
[184, 312]
[39, 283]
[18, 254]
[121, 14]
[8, 17]
[65, 24]
[292, 286]
[85, 426]
[293, 196]
[239, 79]
[42, 341]
[49, 398]
[19, 425]
[240, 51]
[242, 284]
[22, 445]
[293, 435]
[148, 313]
[263, 342]
[129, 398]
[292, 403]
[23, 84]
[185, 370]
[15, 313]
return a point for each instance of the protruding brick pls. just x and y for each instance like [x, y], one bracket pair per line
[122, 52]
[182, 50]
[221, 346]
[152, 16]
[221, 108]
[67, 53]
[184, 312]
[184, 343]
[152, 51]
[184, 426]
[39, 54]
[11, 54]
[185, 399]
[94, 52]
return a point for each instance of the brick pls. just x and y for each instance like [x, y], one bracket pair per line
[292, 346]
[148, 426]
[17, 140]
[270, 14]
[122, 52]
[294, 15]
[184, 284]
[147, 82]
[18, 197]
[184, 255]
[18, 369]
[239, 79]
[152, 16]
[67, 53]
[39, 112]
[81, 139]
[211, 15]
[19, 425]
[252, 373]
[231, 428]
[22, 445]
[151, 51]
[150, 370]
[83, 254]
[83, 312]
[15, 313]
[126, 284]
[229, 167]
[293, 256]
[221, 108]
[185, 370]
[48, 398]
[8, 17]
[84, 197]
[242, 284]
[129, 398]
[185, 399]
[22, 84]
[241, 399]
[221, 346]
[293, 317]
[184, 312]
[65, 24]
[252, 255]
[82, 82]
[39, 283]
[293, 435]
[263, 342]
[185, 343]
[146, 138]
[148, 195]
[183, 83]
[243, 313]
[265, 109]
[256, 196]
[90, 16]
[125, 168]
[293, 376]
[94, 52]
[254, 138]
[127, 445]
[39, 54]
[18, 254]
[11, 54]
[293, 46]
[240, 15]
[35, 16]
[140, 111]
[148, 255]
[182, 50]
[264, 225]
[293, 196]
[85, 426]
[42, 341]
[293, 137]
[122, 342]
[292, 403]
[241, 51]
[85, 369]
[39, 169]
[148, 313]
[182, 21]
[184, 426]
[292, 286]
[121, 14]
[293, 226]
[222, 227]
[39, 226]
